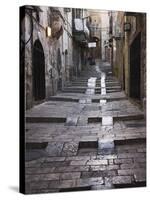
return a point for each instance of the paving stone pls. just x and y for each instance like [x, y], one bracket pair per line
[107, 121]
[106, 146]
[78, 162]
[101, 173]
[54, 148]
[89, 181]
[111, 157]
[131, 171]
[78, 158]
[90, 91]
[39, 170]
[65, 166]
[82, 101]
[70, 149]
[97, 167]
[97, 162]
[35, 163]
[37, 185]
[103, 91]
[103, 102]
[70, 176]
[108, 182]
[122, 161]
[71, 169]
[131, 155]
[71, 121]
[55, 164]
[119, 180]
[140, 177]
[112, 167]
[42, 177]
[140, 160]
[111, 162]
[130, 166]
[62, 184]
[53, 159]
[35, 154]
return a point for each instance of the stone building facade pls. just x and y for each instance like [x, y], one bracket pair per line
[96, 33]
[81, 35]
[129, 53]
[47, 60]
[104, 35]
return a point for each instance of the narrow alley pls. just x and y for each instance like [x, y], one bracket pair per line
[84, 89]
[87, 137]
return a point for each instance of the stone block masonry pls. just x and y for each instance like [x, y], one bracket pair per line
[97, 146]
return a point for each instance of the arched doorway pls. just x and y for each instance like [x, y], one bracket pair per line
[38, 71]
[135, 61]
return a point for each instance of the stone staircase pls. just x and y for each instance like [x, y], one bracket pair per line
[87, 137]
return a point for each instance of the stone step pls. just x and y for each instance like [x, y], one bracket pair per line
[86, 86]
[83, 90]
[94, 100]
[112, 91]
[118, 118]
[66, 99]
[74, 91]
[130, 141]
[45, 119]
[109, 99]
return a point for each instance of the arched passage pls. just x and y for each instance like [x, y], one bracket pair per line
[38, 71]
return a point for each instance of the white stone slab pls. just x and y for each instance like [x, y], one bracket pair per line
[90, 91]
[71, 121]
[103, 91]
[107, 121]
[103, 102]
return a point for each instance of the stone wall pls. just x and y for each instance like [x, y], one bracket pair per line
[57, 52]
[121, 62]
[138, 25]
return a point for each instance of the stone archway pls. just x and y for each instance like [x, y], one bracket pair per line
[38, 71]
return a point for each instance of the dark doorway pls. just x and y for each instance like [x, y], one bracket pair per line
[59, 66]
[123, 75]
[135, 58]
[38, 71]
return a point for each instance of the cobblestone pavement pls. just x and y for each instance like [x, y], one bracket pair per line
[88, 137]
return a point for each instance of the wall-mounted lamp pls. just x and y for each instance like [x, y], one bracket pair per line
[127, 27]
[48, 31]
